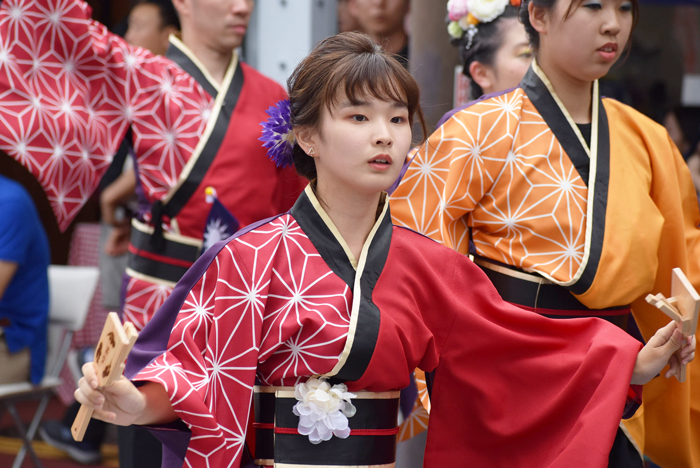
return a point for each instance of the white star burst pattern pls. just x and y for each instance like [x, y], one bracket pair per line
[142, 299]
[68, 92]
[215, 231]
[497, 168]
[267, 307]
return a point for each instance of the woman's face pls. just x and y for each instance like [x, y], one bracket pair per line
[360, 149]
[511, 60]
[589, 41]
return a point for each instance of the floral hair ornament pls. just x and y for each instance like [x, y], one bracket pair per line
[277, 135]
[465, 15]
[323, 410]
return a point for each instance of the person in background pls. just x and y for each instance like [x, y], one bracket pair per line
[384, 22]
[496, 57]
[151, 22]
[346, 22]
[572, 203]
[24, 286]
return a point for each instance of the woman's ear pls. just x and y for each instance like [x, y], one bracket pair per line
[482, 75]
[306, 139]
[538, 17]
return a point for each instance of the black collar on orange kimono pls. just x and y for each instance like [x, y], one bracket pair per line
[216, 131]
[566, 132]
[364, 331]
[550, 111]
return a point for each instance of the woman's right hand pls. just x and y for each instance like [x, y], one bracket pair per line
[659, 352]
[121, 403]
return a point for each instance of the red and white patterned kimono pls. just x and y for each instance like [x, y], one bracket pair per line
[69, 93]
[285, 300]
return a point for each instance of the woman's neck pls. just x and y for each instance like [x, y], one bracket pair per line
[215, 62]
[575, 94]
[353, 214]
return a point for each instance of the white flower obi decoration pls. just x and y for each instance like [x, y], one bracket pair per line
[323, 410]
[486, 10]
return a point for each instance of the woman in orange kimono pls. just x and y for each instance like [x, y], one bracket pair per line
[573, 204]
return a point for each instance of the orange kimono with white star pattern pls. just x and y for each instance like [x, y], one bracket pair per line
[513, 176]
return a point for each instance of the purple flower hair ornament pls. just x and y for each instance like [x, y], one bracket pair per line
[277, 135]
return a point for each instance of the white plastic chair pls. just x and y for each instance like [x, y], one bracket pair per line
[70, 291]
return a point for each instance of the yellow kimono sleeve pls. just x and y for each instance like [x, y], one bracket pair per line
[667, 426]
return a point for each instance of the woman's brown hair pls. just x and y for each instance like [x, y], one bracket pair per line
[352, 62]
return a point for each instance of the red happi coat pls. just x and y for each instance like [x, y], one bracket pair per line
[69, 93]
[284, 300]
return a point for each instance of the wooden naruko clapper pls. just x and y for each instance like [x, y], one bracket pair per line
[682, 307]
[114, 346]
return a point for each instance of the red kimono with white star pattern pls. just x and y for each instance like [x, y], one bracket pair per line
[281, 301]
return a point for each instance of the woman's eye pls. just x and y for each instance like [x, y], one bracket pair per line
[593, 6]
[526, 55]
[627, 6]
[358, 118]
[398, 120]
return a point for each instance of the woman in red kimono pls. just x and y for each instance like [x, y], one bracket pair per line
[319, 316]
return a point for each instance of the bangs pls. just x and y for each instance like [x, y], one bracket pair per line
[371, 75]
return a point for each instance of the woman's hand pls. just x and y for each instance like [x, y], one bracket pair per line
[121, 403]
[659, 352]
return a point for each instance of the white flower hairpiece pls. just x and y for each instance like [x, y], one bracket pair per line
[323, 410]
[465, 15]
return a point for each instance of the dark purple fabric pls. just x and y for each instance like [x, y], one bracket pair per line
[143, 204]
[122, 295]
[449, 114]
[396, 183]
[408, 397]
[153, 339]
[174, 438]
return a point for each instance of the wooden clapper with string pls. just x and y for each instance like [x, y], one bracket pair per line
[682, 306]
[114, 346]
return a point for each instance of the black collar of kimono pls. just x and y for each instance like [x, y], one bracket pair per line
[364, 331]
[568, 136]
[214, 133]
[180, 54]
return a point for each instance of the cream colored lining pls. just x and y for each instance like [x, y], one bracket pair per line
[514, 273]
[218, 104]
[593, 166]
[180, 239]
[329, 223]
[356, 294]
[631, 439]
[186, 50]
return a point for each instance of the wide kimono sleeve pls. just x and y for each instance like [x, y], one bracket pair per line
[70, 90]
[204, 339]
[667, 427]
[513, 388]
[452, 172]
